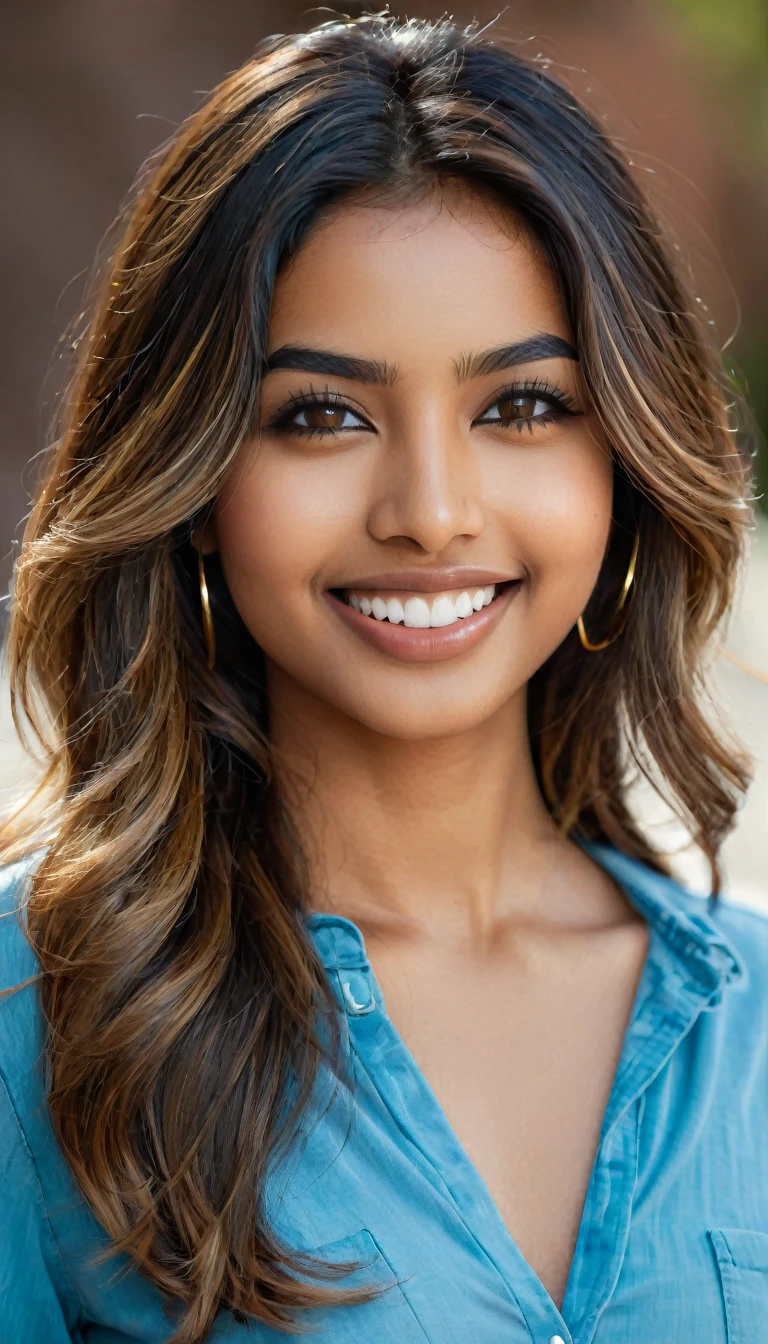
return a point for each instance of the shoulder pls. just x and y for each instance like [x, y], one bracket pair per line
[39, 1202]
[21, 1026]
[730, 939]
[746, 930]
[17, 960]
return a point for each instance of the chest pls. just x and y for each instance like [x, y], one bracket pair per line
[521, 1057]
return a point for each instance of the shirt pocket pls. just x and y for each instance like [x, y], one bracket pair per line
[388, 1317]
[742, 1259]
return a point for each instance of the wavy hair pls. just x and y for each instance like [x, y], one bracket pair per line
[188, 1015]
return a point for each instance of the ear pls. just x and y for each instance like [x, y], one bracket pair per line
[204, 538]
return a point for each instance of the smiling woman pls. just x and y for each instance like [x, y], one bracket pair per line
[416, 467]
[394, 508]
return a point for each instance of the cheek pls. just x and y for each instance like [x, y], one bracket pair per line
[278, 521]
[560, 507]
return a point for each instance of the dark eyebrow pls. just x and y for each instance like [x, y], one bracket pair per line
[326, 361]
[543, 346]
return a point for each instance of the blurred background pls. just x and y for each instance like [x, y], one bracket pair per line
[89, 88]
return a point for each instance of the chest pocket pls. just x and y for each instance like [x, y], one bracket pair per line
[387, 1318]
[742, 1259]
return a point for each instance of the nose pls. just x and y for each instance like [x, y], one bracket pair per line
[429, 489]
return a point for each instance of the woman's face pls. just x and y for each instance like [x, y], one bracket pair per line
[423, 514]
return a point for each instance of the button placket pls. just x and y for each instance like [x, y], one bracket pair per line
[686, 971]
[443, 1162]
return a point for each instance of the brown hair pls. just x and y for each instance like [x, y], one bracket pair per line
[181, 990]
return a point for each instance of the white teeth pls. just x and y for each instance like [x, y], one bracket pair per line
[417, 613]
[443, 612]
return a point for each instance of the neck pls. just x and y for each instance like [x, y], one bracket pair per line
[400, 835]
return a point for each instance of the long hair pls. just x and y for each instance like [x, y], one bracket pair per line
[188, 1014]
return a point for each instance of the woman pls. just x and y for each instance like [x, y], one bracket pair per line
[394, 512]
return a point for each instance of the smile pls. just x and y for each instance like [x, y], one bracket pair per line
[423, 626]
[420, 613]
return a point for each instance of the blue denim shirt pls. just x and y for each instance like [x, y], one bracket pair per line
[673, 1244]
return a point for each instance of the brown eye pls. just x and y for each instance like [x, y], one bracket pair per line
[322, 416]
[526, 406]
[519, 407]
[315, 416]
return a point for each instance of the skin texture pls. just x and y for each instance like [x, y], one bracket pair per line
[508, 960]
[426, 489]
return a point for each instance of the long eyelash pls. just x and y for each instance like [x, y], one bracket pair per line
[300, 401]
[562, 403]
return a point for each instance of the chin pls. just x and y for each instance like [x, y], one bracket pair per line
[425, 716]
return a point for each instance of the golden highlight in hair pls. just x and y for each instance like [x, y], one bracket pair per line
[182, 995]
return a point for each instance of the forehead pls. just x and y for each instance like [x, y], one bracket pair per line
[445, 274]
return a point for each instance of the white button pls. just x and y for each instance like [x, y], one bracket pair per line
[358, 997]
[556, 1339]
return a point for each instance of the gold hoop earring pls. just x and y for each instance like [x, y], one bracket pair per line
[205, 603]
[617, 623]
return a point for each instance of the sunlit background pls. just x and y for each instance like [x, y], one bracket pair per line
[91, 87]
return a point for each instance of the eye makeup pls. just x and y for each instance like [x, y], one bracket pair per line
[325, 409]
[521, 400]
[529, 404]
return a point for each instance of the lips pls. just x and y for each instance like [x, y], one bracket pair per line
[422, 618]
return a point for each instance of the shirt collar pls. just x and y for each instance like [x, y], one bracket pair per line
[677, 916]
[683, 921]
[339, 942]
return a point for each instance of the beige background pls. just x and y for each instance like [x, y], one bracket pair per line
[743, 702]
